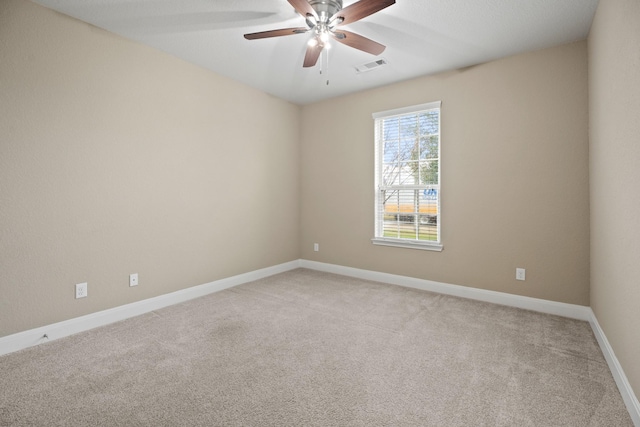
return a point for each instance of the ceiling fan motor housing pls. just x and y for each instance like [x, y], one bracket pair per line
[326, 8]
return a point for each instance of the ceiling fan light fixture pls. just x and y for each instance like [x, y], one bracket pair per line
[322, 17]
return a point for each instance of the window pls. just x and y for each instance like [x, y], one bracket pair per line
[407, 144]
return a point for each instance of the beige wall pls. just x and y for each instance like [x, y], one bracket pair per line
[116, 158]
[614, 89]
[514, 177]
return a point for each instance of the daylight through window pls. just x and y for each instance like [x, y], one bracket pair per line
[407, 144]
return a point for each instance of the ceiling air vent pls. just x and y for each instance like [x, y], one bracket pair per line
[371, 66]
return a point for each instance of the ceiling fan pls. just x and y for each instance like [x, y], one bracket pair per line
[323, 17]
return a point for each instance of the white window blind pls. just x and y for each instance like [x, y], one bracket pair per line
[407, 162]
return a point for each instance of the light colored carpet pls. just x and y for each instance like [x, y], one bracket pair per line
[306, 348]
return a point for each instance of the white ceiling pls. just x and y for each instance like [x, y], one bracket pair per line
[422, 37]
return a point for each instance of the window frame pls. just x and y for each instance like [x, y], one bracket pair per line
[379, 238]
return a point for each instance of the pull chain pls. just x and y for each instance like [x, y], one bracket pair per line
[324, 70]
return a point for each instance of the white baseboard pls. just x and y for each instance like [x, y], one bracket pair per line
[572, 311]
[21, 340]
[629, 397]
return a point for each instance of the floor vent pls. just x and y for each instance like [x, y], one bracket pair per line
[371, 66]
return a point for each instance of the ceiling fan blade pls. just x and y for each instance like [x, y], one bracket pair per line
[312, 55]
[359, 42]
[359, 10]
[276, 33]
[303, 8]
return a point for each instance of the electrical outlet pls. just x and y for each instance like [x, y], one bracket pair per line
[81, 290]
[316, 247]
[133, 279]
[520, 273]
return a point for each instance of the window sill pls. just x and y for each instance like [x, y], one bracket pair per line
[398, 243]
